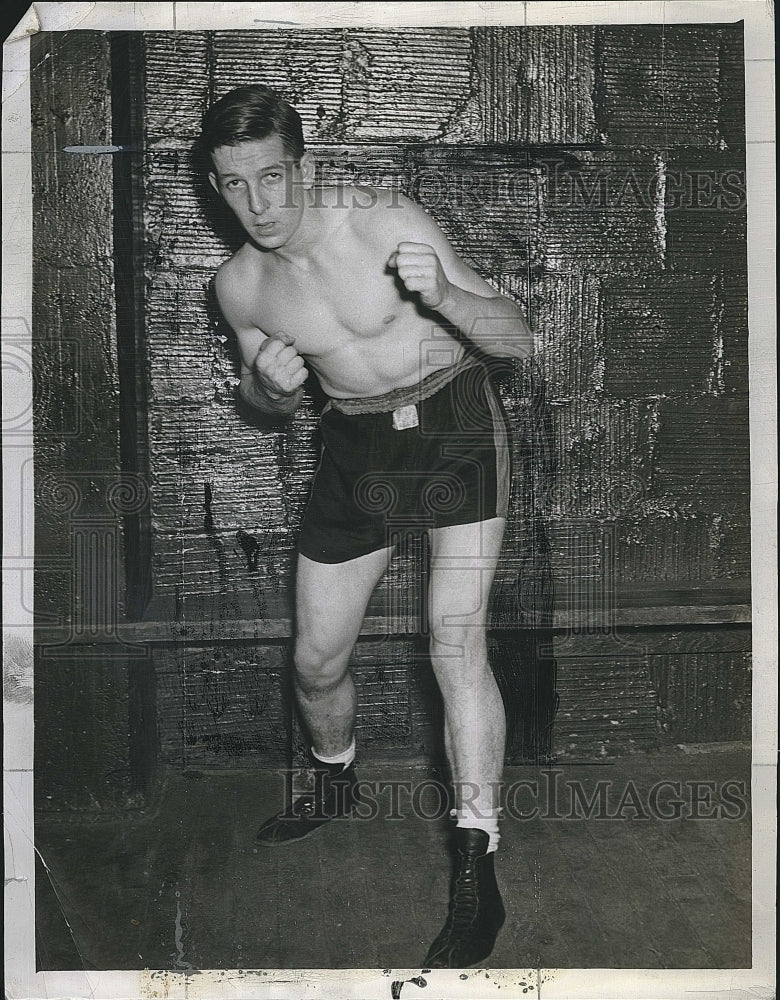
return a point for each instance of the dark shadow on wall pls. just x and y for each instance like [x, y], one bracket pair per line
[523, 604]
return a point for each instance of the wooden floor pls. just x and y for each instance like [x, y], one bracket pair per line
[184, 886]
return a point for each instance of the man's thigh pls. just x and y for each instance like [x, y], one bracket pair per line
[463, 564]
[331, 599]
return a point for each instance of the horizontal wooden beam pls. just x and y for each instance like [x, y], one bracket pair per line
[569, 623]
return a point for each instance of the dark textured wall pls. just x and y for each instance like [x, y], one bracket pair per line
[596, 174]
[81, 693]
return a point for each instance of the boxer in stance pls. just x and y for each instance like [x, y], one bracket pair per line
[360, 286]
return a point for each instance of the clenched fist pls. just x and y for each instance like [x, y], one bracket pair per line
[278, 367]
[419, 268]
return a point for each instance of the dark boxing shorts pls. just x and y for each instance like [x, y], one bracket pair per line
[428, 456]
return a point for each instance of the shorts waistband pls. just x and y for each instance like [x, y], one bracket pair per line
[406, 395]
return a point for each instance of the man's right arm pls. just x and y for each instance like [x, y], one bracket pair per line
[272, 371]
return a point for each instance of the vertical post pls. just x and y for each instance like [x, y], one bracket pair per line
[127, 99]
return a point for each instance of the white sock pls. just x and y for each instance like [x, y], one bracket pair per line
[489, 823]
[345, 757]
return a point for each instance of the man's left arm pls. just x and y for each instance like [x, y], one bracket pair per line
[429, 266]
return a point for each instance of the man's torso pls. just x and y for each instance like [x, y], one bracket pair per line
[352, 321]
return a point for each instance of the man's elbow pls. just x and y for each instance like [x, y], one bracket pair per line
[516, 343]
[505, 333]
[517, 350]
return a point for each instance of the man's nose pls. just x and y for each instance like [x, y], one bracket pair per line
[257, 201]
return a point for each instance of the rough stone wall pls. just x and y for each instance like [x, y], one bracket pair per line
[595, 174]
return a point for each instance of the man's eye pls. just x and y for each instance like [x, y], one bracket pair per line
[274, 175]
[233, 184]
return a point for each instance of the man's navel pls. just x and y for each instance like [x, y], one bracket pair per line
[388, 319]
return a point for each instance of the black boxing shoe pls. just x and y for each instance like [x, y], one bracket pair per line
[476, 911]
[334, 795]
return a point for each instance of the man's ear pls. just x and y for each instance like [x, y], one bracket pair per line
[308, 166]
[213, 181]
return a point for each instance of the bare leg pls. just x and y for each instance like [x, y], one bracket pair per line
[462, 567]
[463, 564]
[331, 601]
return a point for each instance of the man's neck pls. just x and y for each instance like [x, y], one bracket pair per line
[307, 243]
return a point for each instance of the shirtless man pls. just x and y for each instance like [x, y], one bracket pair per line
[361, 287]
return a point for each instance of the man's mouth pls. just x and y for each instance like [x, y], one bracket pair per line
[264, 227]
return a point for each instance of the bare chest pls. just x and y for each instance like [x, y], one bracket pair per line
[351, 296]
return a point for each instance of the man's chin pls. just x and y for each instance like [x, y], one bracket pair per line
[267, 241]
[271, 240]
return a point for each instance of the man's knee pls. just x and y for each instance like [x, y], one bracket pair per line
[318, 667]
[453, 643]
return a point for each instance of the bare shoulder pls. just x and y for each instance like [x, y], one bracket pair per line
[391, 216]
[232, 274]
[232, 281]
[394, 220]
[375, 213]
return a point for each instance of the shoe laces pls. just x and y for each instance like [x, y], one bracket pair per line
[328, 796]
[305, 804]
[465, 900]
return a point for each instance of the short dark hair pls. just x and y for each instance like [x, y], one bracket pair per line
[251, 112]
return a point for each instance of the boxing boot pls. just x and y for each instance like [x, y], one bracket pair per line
[333, 795]
[476, 911]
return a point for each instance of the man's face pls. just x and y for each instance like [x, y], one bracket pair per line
[264, 186]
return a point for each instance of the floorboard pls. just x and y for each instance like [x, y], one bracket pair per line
[185, 885]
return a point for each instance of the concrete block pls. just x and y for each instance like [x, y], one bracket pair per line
[704, 697]
[731, 345]
[582, 565]
[601, 211]
[487, 200]
[191, 448]
[356, 83]
[222, 705]
[607, 707]
[705, 216]
[731, 85]
[186, 225]
[603, 450]
[536, 84]
[191, 358]
[674, 541]
[304, 66]
[401, 593]
[655, 544]
[407, 84]
[660, 336]
[364, 164]
[657, 85]
[565, 318]
[702, 452]
[381, 677]
[215, 566]
[731, 530]
[178, 80]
